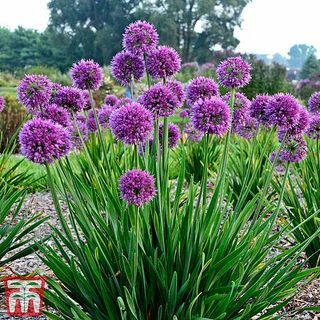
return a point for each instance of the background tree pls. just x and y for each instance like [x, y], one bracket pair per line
[299, 54]
[310, 68]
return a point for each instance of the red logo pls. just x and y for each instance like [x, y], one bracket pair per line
[24, 295]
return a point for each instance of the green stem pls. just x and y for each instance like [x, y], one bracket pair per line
[136, 156]
[148, 75]
[132, 87]
[136, 254]
[205, 171]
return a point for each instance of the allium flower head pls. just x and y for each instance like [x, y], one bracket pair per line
[86, 74]
[201, 87]
[86, 99]
[34, 92]
[123, 102]
[71, 99]
[176, 88]
[111, 100]
[314, 127]
[163, 62]
[104, 114]
[140, 38]
[173, 134]
[234, 72]
[159, 100]
[56, 114]
[43, 141]
[125, 66]
[79, 128]
[283, 110]
[314, 103]
[131, 124]
[248, 129]
[2, 103]
[293, 150]
[91, 121]
[258, 109]
[211, 115]
[184, 113]
[193, 134]
[137, 187]
[55, 87]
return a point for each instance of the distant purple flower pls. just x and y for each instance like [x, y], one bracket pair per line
[201, 87]
[137, 187]
[86, 74]
[163, 62]
[104, 114]
[314, 128]
[111, 100]
[248, 129]
[34, 92]
[71, 99]
[193, 134]
[125, 66]
[184, 113]
[140, 38]
[211, 115]
[56, 114]
[176, 88]
[122, 102]
[79, 128]
[279, 165]
[55, 87]
[132, 124]
[43, 141]
[283, 110]
[314, 103]
[258, 109]
[234, 72]
[173, 134]
[159, 100]
[86, 99]
[293, 150]
[91, 122]
[2, 103]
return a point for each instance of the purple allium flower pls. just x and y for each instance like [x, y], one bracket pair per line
[176, 88]
[314, 128]
[125, 66]
[159, 100]
[184, 113]
[140, 38]
[43, 141]
[79, 128]
[86, 99]
[131, 124]
[137, 187]
[211, 115]
[111, 100]
[279, 165]
[283, 110]
[56, 114]
[71, 99]
[2, 103]
[234, 72]
[104, 114]
[293, 150]
[314, 103]
[91, 121]
[248, 129]
[55, 87]
[201, 87]
[258, 109]
[34, 92]
[193, 134]
[173, 134]
[122, 102]
[163, 62]
[86, 74]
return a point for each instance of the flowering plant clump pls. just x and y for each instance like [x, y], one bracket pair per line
[2, 103]
[71, 99]
[56, 114]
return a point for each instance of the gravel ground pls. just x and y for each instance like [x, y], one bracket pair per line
[42, 202]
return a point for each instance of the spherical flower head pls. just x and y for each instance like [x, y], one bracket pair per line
[43, 141]
[91, 121]
[258, 109]
[56, 114]
[79, 128]
[132, 124]
[122, 102]
[86, 74]
[140, 38]
[234, 72]
[71, 99]
[293, 150]
[184, 113]
[163, 62]
[314, 103]
[248, 129]
[314, 127]
[111, 100]
[34, 92]
[137, 187]
[55, 87]
[104, 114]
[159, 100]
[126, 66]
[200, 88]
[87, 100]
[176, 88]
[2, 103]
[211, 115]
[283, 110]
[173, 134]
[193, 135]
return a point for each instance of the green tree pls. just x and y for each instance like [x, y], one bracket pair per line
[310, 68]
[299, 54]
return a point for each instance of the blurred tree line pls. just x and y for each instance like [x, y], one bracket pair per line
[93, 29]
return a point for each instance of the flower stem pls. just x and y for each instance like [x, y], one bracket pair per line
[136, 253]
[205, 172]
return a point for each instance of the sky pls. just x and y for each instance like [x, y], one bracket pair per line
[268, 26]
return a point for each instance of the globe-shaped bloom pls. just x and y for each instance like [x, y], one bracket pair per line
[34, 92]
[132, 124]
[79, 131]
[184, 113]
[248, 129]
[126, 66]
[163, 62]
[122, 102]
[283, 110]
[2, 103]
[234, 72]
[193, 135]
[293, 150]
[314, 127]
[91, 121]
[71, 99]
[140, 38]
[110, 100]
[86, 74]
[173, 134]
[201, 87]
[159, 100]
[176, 88]
[258, 109]
[137, 187]
[55, 87]
[314, 103]
[56, 114]
[211, 115]
[86, 100]
[104, 114]
[43, 141]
